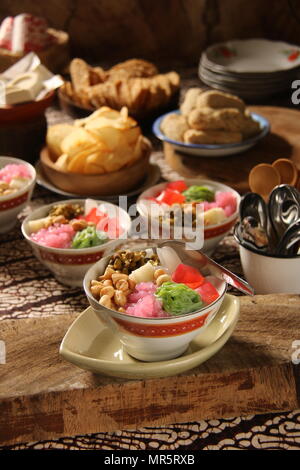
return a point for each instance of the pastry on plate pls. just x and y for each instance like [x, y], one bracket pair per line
[218, 99]
[190, 100]
[210, 117]
[135, 83]
[133, 68]
[228, 119]
[174, 126]
[211, 137]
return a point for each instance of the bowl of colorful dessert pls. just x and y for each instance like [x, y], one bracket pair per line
[197, 206]
[17, 180]
[153, 300]
[69, 236]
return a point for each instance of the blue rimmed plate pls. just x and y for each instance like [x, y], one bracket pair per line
[221, 150]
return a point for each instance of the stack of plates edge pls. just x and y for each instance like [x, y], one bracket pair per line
[253, 69]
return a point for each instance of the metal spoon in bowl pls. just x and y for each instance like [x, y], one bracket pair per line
[207, 266]
[253, 205]
[290, 241]
[284, 208]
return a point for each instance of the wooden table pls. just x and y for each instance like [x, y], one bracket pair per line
[42, 396]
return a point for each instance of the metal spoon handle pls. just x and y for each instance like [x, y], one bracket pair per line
[202, 261]
[231, 278]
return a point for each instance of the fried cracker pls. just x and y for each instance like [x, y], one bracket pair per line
[80, 74]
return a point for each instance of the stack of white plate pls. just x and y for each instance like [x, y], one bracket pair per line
[252, 69]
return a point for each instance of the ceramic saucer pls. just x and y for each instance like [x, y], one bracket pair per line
[152, 178]
[91, 345]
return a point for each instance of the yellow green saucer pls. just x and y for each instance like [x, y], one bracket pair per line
[91, 345]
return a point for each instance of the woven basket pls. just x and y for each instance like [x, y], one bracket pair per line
[56, 57]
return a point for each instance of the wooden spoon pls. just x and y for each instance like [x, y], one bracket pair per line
[263, 178]
[287, 170]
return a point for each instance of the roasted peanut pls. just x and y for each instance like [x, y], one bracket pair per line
[159, 272]
[107, 273]
[78, 224]
[120, 298]
[122, 285]
[131, 284]
[105, 301]
[96, 283]
[118, 276]
[107, 290]
[121, 309]
[96, 289]
[107, 282]
[163, 278]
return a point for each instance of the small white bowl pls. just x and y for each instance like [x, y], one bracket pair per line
[214, 151]
[213, 234]
[153, 339]
[269, 274]
[70, 265]
[12, 204]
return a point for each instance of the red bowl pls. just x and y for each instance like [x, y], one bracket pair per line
[25, 111]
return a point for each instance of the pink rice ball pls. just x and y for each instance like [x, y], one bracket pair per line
[140, 290]
[227, 201]
[143, 303]
[209, 205]
[14, 170]
[55, 236]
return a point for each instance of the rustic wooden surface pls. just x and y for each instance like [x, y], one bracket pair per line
[43, 396]
[282, 142]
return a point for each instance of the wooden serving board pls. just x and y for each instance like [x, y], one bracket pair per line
[42, 396]
[282, 142]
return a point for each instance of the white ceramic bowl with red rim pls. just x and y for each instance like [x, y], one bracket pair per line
[213, 234]
[12, 204]
[153, 339]
[69, 265]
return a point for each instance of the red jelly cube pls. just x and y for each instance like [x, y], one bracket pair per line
[188, 275]
[179, 185]
[208, 292]
[169, 196]
[94, 216]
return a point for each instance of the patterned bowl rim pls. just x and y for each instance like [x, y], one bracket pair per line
[123, 316]
[222, 186]
[5, 160]
[73, 251]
